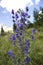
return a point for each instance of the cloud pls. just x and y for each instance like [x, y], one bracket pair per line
[15, 4]
[37, 2]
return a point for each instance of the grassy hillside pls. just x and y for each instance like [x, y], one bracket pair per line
[36, 48]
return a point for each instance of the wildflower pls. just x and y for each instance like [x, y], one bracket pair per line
[27, 43]
[13, 37]
[17, 36]
[21, 32]
[32, 37]
[11, 54]
[20, 25]
[26, 50]
[34, 31]
[24, 19]
[27, 9]
[13, 20]
[27, 60]
[24, 14]
[17, 16]
[12, 11]
[17, 30]
[13, 17]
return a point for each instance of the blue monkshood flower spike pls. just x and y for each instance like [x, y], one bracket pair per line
[12, 11]
[27, 60]
[13, 37]
[11, 54]
[27, 9]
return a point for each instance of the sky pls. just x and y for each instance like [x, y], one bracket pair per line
[6, 7]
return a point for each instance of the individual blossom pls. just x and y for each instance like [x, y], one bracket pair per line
[34, 31]
[24, 14]
[11, 54]
[18, 37]
[13, 20]
[32, 37]
[20, 25]
[27, 43]
[13, 37]
[17, 30]
[21, 32]
[12, 11]
[17, 16]
[26, 50]
[27, 60]
[27, 9]
[13, 17]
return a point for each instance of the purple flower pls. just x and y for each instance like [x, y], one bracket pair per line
[27, 9]
[17, 36]
[13, 17]
[11, 54]
[27, 43]
[27, 60]
[21, 32]
[17, 30]
[24, 19]
[34, 31]
[32, 37]
[13, 20]
[12, 11]
[20, 25]
[17, 16]
[24, 14]
[26, 50]
[13, 37]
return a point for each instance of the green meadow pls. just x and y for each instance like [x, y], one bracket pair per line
[36, 48]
